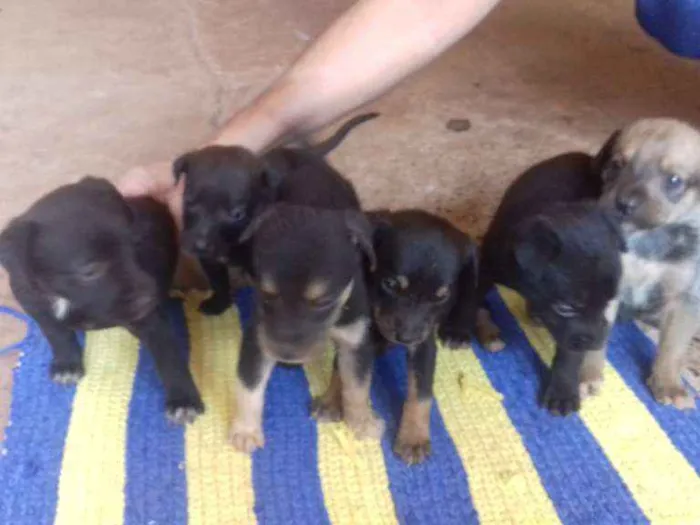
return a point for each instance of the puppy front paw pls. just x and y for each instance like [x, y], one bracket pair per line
[487, 332]
[367, 426]
[183, 410]
[215, 305]
[66, 373]
[669, 392]
[246, 439]
[561, 399]
[327, 410]
[412, 452]
[454, 336]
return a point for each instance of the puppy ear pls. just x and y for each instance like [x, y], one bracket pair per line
[380, 221]
[361, 231]
[15, 243]
[538, 244]
[181, 166]
[605, 154]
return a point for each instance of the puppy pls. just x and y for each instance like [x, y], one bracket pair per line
[83, 257]
[651, 176]
[424, 284]
[226, 186]
[557, 247]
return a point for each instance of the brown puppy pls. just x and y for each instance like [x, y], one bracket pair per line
[651, 176]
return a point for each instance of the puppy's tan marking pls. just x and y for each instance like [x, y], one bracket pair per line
[487, 332]
[593, 365]
[315, 290]
[246, 433]
[357, 410]
[268, 285]
[413, 440]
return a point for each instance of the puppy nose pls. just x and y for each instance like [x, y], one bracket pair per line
[627, 203]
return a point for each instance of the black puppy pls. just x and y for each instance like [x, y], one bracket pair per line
[424, 283]
[226, 186]
[307, 267]
[83, 257]
[562, 252]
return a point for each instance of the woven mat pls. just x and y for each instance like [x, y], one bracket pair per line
[103, 454]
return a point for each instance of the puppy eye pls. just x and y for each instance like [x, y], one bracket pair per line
[238, 214]
[564, 310]
[390, 284]
[674, 186]
[92, 272]
[323, 303]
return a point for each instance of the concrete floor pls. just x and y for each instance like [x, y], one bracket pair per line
[96, 87]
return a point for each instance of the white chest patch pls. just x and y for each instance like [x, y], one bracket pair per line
[60, 306]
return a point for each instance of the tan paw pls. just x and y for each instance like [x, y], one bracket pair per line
[324, 409]
[368, 426]
[412, 451]
[246, 440]
[671, 393]
[487, 333]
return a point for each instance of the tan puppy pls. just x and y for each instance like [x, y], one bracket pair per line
[651, 177]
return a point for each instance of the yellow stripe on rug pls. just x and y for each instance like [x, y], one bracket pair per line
[662, 482]
[219, 479]
[504, 484]
[91, 487]
[353, 475]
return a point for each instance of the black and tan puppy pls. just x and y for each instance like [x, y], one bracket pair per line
[225, 187]
[424, 285]
[83, 257]
[651, 176]
[556, 246]
[306, 258]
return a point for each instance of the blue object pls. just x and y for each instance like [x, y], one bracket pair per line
[674, 23]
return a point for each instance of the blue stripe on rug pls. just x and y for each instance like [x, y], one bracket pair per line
[156, 487]
[632, 354]
[285, 472]
[33, 449]
[553, 442]
[442, 475]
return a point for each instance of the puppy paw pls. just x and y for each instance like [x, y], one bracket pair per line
[366, 427]
[66, 373]
[246, 440]
[671, 393]
[562, 399]
[215, 305]
[327, 410]
[454, 337]
[183, 410]
[487, 332]
[588, 389]
[412, 452]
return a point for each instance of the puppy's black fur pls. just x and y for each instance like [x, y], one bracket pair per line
[424, 284]
[560, 250]
[83, 257]
[226, 186]
[308, 254]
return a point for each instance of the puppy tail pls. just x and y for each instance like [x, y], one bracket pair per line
[324, 148]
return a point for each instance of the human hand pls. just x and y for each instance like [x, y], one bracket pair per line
[155, 181]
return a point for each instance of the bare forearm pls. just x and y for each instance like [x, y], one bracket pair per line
[365, 52]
